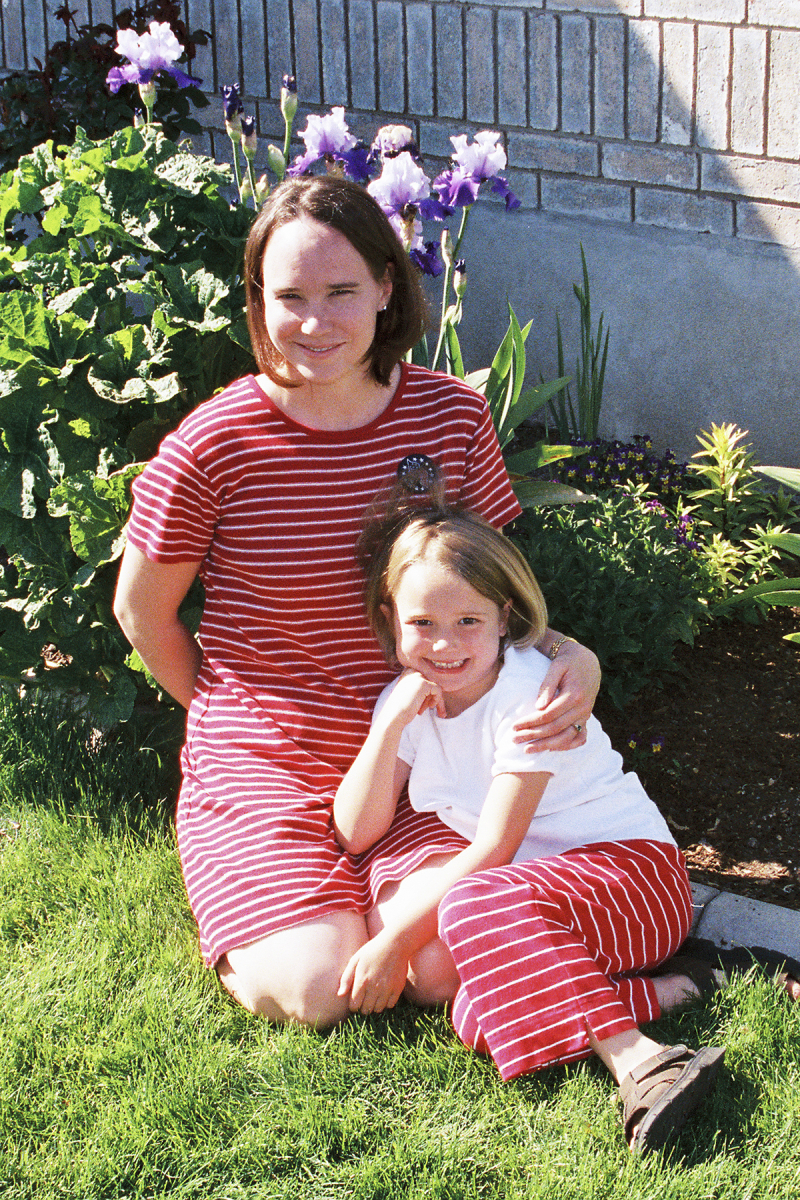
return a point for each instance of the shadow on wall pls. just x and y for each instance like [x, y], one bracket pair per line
[705, 321]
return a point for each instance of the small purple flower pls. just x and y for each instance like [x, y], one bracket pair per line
[391, 140]
[426, 258]
[403, 192]
[156, 50]
[328, 137]
[474, 164]
[402, 185]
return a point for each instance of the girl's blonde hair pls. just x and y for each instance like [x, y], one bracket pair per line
[461, 542]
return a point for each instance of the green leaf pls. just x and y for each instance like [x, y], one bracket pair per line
[455, 363]
[111, 701]
[788, 476]
[479, 379]
[535, 493]
[97, 509]
[540, 455]
[788, 542]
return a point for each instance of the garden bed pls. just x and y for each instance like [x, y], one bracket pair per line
[727, 777]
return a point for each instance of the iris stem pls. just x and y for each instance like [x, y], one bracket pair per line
[448, 280]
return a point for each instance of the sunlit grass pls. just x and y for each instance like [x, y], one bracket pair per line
[125, 1072]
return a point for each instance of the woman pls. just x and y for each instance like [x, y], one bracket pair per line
[261, 492]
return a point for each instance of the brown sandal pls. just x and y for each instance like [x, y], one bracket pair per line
[660, 1093]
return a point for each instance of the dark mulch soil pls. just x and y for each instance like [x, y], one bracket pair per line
[728, 775]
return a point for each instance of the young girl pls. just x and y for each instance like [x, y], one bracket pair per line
[547, 950]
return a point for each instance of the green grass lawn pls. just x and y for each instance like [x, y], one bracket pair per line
[125, 1071]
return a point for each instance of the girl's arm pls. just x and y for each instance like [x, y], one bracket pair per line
[566, 697]
[376, 974]
[366, 799]
[146, 605]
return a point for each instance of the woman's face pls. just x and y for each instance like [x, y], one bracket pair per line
[320, 303]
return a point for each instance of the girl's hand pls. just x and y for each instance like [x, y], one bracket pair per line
[375, 976]
[412, 695]
[565, 702]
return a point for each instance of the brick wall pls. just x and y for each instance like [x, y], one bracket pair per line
[672, 113]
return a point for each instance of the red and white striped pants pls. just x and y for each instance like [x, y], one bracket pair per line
[548, 950]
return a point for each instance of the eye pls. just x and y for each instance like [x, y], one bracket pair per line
[422, 622]
[470, 621]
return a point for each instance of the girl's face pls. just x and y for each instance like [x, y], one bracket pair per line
[320, 303]
[448, 632]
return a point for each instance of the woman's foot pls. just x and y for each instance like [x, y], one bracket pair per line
[685, 978]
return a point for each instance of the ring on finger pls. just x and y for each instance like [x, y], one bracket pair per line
[577, 727]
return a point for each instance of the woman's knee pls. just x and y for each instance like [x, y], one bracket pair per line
[293, 975]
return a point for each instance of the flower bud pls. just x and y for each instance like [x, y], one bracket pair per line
[288, 97]
[262, 189]
[276, 161]
[249, 139]
[138, 118]
[233, 109]
[447, 247]
[147, 91]
[459, 279]
[245, 190]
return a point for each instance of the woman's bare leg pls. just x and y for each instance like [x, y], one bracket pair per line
[293, 975]
[432, 977]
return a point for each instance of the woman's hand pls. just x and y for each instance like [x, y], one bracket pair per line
[375, 976]
[565, 702]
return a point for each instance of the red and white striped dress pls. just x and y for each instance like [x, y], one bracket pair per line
[290, 670]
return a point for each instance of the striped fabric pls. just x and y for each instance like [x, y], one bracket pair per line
[549, 949]
[271, 511]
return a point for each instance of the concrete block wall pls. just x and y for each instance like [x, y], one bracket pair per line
[673, 113]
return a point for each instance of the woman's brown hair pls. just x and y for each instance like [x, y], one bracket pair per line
[351, 211]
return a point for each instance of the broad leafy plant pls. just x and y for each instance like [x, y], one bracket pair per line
[617, 577]
[118, 318]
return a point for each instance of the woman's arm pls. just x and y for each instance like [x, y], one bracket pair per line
[376, 974]
[566, 697]
[146, 605]
[366, 799]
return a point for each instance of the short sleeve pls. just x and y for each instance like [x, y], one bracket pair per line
[486, 487]
[175, 509]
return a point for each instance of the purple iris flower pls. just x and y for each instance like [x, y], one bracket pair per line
[426, 259]
[328, 137]
[474, 164]
[391, 140]
[148, 53]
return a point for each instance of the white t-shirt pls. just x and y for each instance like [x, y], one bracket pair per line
[588, 797]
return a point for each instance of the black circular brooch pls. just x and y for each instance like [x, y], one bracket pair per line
[417, 473]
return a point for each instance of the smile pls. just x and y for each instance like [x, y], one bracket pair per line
[448, 666]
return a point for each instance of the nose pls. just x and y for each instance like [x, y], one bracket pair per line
[313, 321]
[441, 642]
